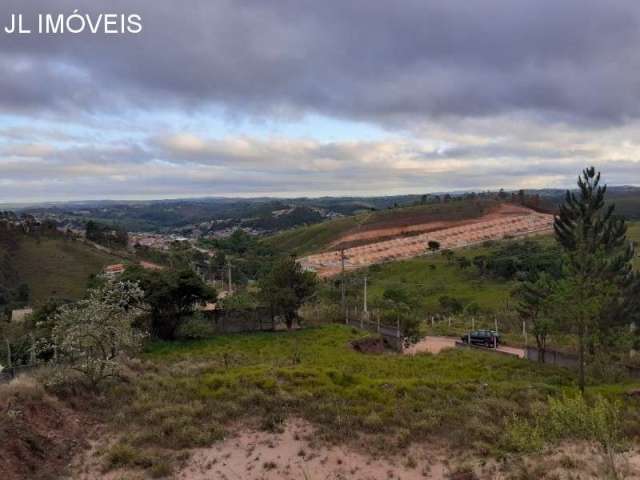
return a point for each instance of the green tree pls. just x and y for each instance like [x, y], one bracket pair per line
[398, 305]
[286, 287]
[534, 306]
[472, 309]
[480, 262]
[448, 254]
[91, 337]
[463, 263]
[450, 305]
[170, 296]
[597, 258]
[433, 245]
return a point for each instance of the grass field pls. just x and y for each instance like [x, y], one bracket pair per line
[188, 394]
[428, 278]
[54, 267]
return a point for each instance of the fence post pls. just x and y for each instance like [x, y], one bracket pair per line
[378, 317]
[33, 349]
[8, 353]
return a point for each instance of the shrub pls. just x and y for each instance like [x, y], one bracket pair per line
[93, 336]
[570, 417]
[196, 327]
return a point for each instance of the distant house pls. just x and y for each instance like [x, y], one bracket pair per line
[114, 270]
[20, 314]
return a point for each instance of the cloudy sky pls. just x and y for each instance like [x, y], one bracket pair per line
[297, 97]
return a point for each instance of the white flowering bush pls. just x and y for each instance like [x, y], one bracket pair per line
[92, 337]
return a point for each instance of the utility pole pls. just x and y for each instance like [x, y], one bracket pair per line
[342, 286]
[365, 295]
[229, 276]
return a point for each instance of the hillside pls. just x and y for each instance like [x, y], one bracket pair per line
[329, 234]
[429, 278]
[54, 267]
[634, 234]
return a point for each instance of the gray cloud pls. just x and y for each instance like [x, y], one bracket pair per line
[513, 93]
[380, 61]
[185, 164]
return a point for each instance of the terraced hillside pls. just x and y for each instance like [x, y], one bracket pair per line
[505, 221]
[359, 229]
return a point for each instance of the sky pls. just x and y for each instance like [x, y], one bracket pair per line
[309, 98]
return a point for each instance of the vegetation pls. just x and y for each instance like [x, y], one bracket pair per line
[189, 390]
[428, 279]
[111, 236]
[633, 233]
[285, 288]
[520, 260]
[597, 259]
[571, 417]
[170, 296]
[189, 384]
[91, 337]
[53, 266]
[535, 307]
[244, 254]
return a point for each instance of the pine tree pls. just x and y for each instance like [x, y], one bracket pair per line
[597, 256]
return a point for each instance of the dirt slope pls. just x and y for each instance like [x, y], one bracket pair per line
[387, 244]
[39, 434]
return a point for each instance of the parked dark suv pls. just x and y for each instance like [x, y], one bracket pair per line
[488, 338]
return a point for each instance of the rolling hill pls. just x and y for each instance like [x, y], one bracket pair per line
[52, 266]
[328, 235]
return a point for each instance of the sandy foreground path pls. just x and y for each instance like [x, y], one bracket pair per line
[293, 454]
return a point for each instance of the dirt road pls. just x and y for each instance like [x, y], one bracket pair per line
[437, 344]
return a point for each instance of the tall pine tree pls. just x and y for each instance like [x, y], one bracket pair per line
[597, 257]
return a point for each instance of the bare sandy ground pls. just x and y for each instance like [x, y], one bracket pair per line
[431, 345]
[437, 344]
[377, 233]
[294, 455]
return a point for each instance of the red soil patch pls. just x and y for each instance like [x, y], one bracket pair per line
[39, 433]
[414, 224]
[506, 221]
